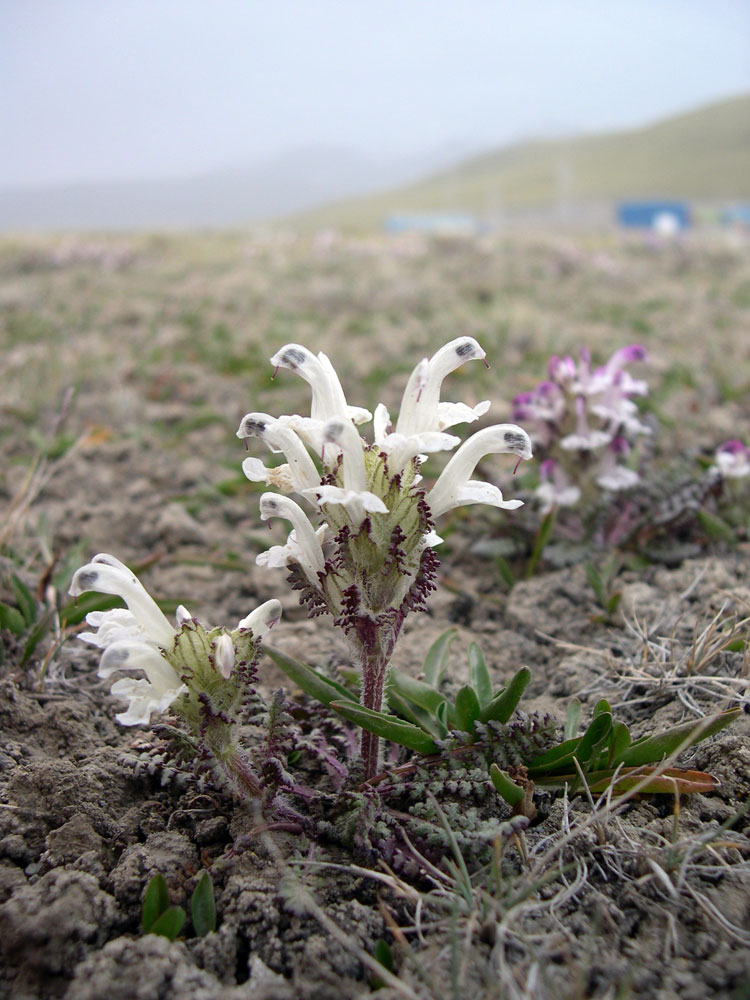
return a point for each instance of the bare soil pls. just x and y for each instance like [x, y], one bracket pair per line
[127, 365]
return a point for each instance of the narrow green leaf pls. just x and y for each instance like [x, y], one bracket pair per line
[504, 704]
[619, 741]
[12, 619]
[595, 582]
[203, 906]
[602, 706]
[552, 757]
[596, 734]
[388, 727]
[613, 603]
[654, 748]
[412, 713]
[716, 528]
[480, 675]
[37, 634]
[24, 599]
[437, 657]
[542, 537]
[409, 688]
[74, 612]
[383, 954]
[572, 719]
[155, 902]
[170, 923]
[323, 689]
[504, 784]
[467, 709]
[446, 714]
[505, 571]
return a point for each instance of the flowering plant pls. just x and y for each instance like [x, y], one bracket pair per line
[584, 421]
[205, 676]
[370, 560]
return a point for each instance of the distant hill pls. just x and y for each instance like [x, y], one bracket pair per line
[702, 154]
[291, 182]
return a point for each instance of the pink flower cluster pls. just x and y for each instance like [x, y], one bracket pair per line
[583, 420]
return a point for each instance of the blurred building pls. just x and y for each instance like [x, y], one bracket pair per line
[659, 216]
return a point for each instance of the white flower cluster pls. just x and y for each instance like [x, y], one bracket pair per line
[141, 638]
[370, 490]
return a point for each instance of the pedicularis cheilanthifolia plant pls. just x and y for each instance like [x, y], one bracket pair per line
[362, 551]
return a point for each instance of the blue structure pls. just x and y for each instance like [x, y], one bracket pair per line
[736, 215]
[435, 223]
[657, 215]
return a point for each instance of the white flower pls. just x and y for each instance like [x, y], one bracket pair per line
[402, 448]
[109, 576]
[142, 639]
[454, 488]
[328, 398]
[584, 438]
[304, 543]
[610, 474]
[298, 474]
[224, 655]
[555, 489]
[353, 495]
[732, 460]
[262, 620]
[132, 639]
[421, 409]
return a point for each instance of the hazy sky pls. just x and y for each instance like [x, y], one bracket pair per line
[134, 88]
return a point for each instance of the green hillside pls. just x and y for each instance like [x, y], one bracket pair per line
[703, 154]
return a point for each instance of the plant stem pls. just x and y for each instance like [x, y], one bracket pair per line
[374, 665]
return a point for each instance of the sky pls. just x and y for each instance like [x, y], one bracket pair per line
[109, 89]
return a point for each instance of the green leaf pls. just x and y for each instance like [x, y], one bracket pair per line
[203, 906]
[12, 619]
[412, 713]
[619, 741]
[24, 599]
[388, 727]
[504, 704]
[446, 714]
[602, 706]
[437, 657]
[37, 634]
[74, 612]
[505, 571]
[467, 709]
[323, 689]
[553, 757]
[155, 902]
[409, 688]
[542, 537]
[649, 749]
[613, 603]
[504, 784]
[716, 528]
[595, 582]
[592, 740]
[383, 954]
[170, 923]
[480, 675]
[572, 719]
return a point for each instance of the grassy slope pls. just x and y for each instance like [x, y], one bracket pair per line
[701, 154]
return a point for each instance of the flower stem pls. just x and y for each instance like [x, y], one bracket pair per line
[374, 665]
